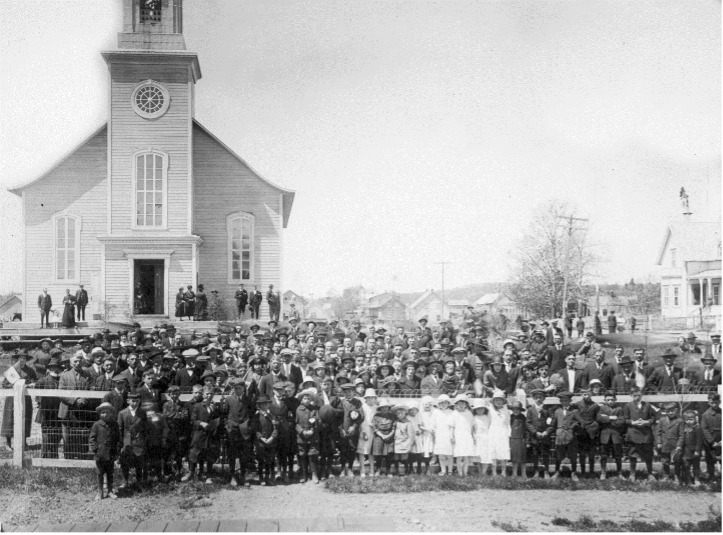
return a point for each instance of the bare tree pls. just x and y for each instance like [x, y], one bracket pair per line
[546, 254]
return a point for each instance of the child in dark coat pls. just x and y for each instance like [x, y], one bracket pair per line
[690, 445]
[518, 439]
[103, 443]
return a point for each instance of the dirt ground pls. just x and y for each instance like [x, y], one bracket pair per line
[439, 511]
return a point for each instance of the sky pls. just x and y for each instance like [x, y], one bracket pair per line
[413, 132]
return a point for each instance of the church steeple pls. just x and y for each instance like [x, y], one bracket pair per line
[152, 25]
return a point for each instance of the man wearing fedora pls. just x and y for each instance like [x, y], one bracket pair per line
[715, 346]
[625, 379]
[45, 303]
[640, 417]
[666, 378]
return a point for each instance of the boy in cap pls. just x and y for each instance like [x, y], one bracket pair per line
[204, 423]
[307, 435]
[266, 440]
[178, 423]
[612, 427]
[667, 432]
[710, 423]
[639, 416]
[587, 437]
[566, 423]
[132, 429]
[103, 442]
[690, 447]
[156, 440]
[539, 427]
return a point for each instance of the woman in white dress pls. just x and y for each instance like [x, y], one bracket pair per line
[499, 433]
[462, 439]
[366, 432]
[425, 440]
[443, 426]
[480, 431]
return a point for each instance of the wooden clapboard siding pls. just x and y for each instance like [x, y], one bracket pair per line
[131, 133]
[77, 185]
[223, 185]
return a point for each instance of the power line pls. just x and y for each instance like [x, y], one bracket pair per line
[442, 264]
[570, 229]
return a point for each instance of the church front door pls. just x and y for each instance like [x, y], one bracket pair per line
[148, 283]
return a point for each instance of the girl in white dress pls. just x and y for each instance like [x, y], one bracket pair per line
[462, 438]
[480, 431]
[366, 432]
[499, 433]
[425, 440]
[443, 426]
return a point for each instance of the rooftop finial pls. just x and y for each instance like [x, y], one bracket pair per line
[684, 201]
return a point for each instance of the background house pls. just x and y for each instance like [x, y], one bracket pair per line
[428, 305]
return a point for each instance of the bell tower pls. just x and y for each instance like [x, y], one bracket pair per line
[150, 152]
[152, 25]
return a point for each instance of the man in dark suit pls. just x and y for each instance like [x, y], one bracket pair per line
[624, 380]
[45, 303]
[400, 338]
[600, 370]
[95, 370]
[239, 413]
[81, 301]
[47, 413]
[572, 380]
[255, 300]
[290, 370]
[665, 378]
[104, 382]
[640, 417]
[715, 346]
[242, 299]
[709, 378]
[74, 413]
[266, 384]
[133, 428]
[557, 354]
[117, 396]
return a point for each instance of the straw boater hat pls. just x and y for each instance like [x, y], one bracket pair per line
[443, 397]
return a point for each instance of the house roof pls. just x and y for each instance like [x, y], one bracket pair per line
[427, 294]
[697, 240]
[7, 301]
[287, 195]
[458, 302]
[488, 299]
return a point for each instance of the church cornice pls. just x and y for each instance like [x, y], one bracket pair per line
[155, 57]
[152, 239]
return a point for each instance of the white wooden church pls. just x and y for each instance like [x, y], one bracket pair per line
[151, 198]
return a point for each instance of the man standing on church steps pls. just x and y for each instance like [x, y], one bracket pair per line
[274, 301]
[81, 301]
[45, 303]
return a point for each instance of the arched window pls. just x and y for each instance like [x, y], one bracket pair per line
[240, 230]
[66, 248]
[149, 190]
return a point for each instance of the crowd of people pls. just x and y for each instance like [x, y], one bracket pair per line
[294, 403]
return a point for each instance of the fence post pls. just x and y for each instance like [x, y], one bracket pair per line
[18, 422]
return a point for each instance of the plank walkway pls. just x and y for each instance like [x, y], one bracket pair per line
[240, 525]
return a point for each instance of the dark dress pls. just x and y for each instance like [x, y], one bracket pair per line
[201, 307]
[518, 432]
[68, 312]
[179, 305]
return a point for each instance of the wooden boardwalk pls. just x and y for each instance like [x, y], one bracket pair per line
[252, 525]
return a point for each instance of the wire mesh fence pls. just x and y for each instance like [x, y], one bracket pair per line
[51, 440]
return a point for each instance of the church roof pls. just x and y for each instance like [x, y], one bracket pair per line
[288, 195]
[18, 190]
[697, 240]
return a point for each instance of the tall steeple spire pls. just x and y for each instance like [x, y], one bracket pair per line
[152, 25]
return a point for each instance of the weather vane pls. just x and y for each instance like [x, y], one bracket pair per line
[684, 199]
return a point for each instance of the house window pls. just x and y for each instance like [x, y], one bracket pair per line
[716, 294]
[240, 229]
[673, 257]
[676, 291]
[150, 190]
[67, 247]
[666, 296]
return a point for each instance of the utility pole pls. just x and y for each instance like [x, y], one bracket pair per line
[443, 301]
[570, 229]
